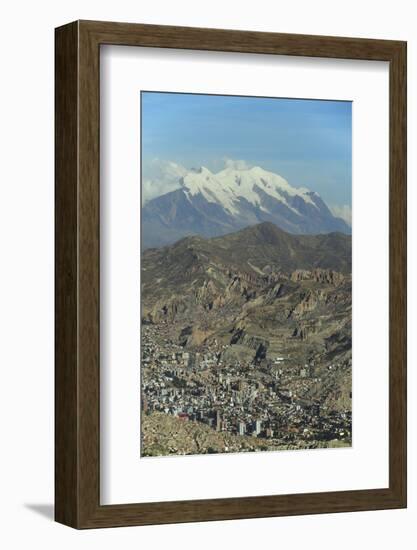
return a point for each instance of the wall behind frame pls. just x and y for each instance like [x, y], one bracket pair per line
[26, 289]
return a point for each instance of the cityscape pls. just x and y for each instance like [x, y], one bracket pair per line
[262, 399]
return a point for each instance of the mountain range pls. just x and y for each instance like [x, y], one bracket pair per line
[258, 255]
[211, 205]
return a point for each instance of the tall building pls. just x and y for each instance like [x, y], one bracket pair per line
[218, 421]
[145, 404]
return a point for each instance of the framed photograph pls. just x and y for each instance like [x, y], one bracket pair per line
[230, 274]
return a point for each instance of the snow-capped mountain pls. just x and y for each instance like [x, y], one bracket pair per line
[211, 204]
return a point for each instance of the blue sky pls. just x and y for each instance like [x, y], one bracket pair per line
[308, 142]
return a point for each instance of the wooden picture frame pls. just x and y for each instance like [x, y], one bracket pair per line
[77, 382]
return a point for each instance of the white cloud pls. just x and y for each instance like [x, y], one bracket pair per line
[236, 164]
[160, 177]
[344, 211]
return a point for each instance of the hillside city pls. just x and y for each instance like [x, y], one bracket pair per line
[263, 399]
[240, 351]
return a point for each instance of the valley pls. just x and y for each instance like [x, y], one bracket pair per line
[246, 342]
